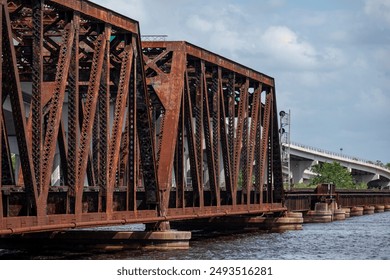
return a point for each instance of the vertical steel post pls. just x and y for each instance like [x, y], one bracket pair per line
[224, 114]
[132, 171]
[199, 132]
[243, 161]
[14, 91]
[189, 125]
[73, 116]
[209, 132]
[257, 155]
[231, 113]
[238, 144]
[103, 176]
[217, 91]
[1, 112]
[37, 80]
[253, 132]
[264, 149]
[179, 159]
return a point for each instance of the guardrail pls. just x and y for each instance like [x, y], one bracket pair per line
[340, 155]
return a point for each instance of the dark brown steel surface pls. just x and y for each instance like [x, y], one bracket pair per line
[212, 107]
[108, 131]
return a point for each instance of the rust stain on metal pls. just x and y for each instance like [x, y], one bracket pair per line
[110, 131]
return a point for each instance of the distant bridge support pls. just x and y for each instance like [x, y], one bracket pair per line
[367, 178]
[298, 168]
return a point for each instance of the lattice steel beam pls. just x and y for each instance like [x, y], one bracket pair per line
[90, 152]
[55, 115]
[1, 112]
[37, 81]
[13, 90]
[221, 113]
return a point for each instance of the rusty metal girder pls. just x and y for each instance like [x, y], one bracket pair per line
[1, 115]
[117, 132]
[212, 109]
[68, 63]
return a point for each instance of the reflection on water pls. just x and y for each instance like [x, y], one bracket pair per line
[361, 238]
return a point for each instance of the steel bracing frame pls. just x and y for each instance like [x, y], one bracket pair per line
[217, 144]
[97, 129]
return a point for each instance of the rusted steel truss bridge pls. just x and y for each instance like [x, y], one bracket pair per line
[97, 128]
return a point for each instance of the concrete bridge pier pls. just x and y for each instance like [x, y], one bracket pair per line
[379, 208]
[326, 212]
[357, 211]
[347, 212]
[368, 210]
[366, 178]
[288, 221]
[339, 214]
[298, 167]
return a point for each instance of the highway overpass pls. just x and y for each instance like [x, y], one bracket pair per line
[302, 157]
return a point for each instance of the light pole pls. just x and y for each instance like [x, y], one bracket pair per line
[285, 125]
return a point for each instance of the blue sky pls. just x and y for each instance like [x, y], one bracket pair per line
[330, 59]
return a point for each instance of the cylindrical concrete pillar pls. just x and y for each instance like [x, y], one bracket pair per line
[356, 211]
[368, 210]
[347, 211]
[320, 214]
[339, 214]
[379, 208]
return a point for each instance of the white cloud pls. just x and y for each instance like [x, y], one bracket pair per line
[276, 3]
[379, 9]
[382, 58]
[219, 28]
[196, 22]
[373, 100]
[134, 9]
[290, 52]
[283, 45]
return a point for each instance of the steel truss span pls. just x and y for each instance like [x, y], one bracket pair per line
[96, 129]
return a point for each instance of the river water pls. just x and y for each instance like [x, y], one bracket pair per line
[357, 238]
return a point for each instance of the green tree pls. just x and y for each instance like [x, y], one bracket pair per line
[332, 173]
[388, 165]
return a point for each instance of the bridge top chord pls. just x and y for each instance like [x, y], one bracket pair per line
[96, 11]
[211, 57]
